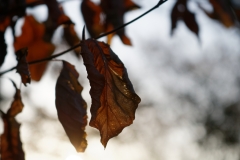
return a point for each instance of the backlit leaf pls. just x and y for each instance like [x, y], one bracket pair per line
[32, 37]
[22, 66]
[11, 145]
[114, 100]
[17, 105]
[71, 107]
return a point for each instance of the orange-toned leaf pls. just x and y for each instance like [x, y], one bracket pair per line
[71, 107]
[39, 50]
[32, 37]
[17, 105]
[72, 38]
[32, 30]
[91, 14]
[114, 100]
[4, 23]
[64, 19]
[22, 66]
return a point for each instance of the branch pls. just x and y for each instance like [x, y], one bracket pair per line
[78, 45]
[116, 29]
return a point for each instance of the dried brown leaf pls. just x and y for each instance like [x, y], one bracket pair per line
[17, 105]
[11, 145]
[32, 37]
[91, 14]
[71, 107]
[22, 66]
[72, 38]
[114, 100]
[180, 11]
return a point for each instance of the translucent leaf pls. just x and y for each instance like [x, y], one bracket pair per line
[114, 100]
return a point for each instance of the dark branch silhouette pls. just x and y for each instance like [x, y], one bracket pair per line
[77, 45]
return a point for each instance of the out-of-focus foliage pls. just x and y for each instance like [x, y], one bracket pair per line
[114, 101]
[11, 145]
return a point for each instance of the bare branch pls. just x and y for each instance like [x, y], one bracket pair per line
[77, 45]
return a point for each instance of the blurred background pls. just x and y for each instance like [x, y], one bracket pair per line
[189, 86]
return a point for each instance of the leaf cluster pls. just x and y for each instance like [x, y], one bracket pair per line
[114, 101]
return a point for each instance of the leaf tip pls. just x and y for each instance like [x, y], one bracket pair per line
[83, 33]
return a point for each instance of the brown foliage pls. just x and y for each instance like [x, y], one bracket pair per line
[11, 145]
[180, 11]
[22, 66]
[114, 100]
[71, 107]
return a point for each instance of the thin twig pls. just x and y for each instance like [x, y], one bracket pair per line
[124, 25]
[78, 45]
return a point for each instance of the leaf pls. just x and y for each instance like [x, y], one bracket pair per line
[72, 38]
[71, 107]
[11, 145]
[91, 14]
[3, 48]
[17, 105]
[56, 17]
[190, 21]
[114, 100]
[114, 11]
[4, 23]
[22, 66]
[221, 12]
[181, 12]
[130, 5]
[32, 37]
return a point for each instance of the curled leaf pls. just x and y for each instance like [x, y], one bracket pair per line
[114, 100]
[71, 107]
[17, 105]
[22, 66]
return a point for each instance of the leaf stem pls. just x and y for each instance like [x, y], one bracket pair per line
[100, 36]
